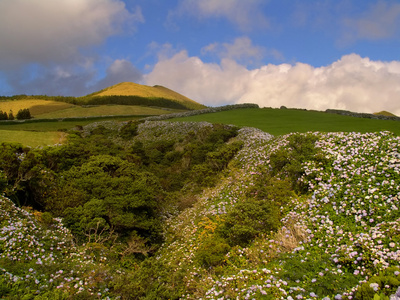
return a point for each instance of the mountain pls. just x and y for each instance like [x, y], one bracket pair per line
[144, 91]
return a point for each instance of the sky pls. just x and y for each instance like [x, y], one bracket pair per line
[314, 54]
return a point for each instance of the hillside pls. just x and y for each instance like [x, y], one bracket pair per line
[179, 210]
[385, 113]
[143, 91]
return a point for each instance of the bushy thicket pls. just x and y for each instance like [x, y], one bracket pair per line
[117, 182]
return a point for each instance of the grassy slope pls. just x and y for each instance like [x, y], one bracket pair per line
[131, 88]
[35, 106]
[283, 121]
[274, 121]
[104, 110]
[32, 139]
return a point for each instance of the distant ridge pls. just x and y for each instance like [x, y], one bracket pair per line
[144, 91]
[385, 113]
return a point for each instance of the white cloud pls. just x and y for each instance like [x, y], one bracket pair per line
[242, 50]
[246, 15]
[381, 21]
[352, 83]
[119, 71]
[49, 31]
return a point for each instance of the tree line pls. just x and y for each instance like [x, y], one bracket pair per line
[23, 114]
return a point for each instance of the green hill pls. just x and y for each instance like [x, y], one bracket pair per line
[130, 92]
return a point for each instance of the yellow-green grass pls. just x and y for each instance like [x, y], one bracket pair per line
[104, 110]
[385, 113]
[35, 106]
[61, 124]
[283, 121]
[32, 139]
[131, 88]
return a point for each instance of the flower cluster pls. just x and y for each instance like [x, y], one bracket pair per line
[42, 258]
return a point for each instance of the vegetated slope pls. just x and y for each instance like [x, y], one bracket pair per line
[125, 89]
[284, 121]
[385, 113]
[35, 106]
[135, 89]
[105, 110]
[301, 216]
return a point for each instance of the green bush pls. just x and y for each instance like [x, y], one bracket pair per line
[129, 130]
[248, 219]
[24, 114]
[212, 252]
[287, 161]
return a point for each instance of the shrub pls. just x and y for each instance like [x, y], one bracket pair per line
[249, 219]
[212, 252]
[24, 114]
[288, 160]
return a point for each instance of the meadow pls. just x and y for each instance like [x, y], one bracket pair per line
[274, 121]
[284, 121]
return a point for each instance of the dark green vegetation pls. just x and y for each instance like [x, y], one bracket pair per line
[284, 121]
[104, 185]
[23, 114]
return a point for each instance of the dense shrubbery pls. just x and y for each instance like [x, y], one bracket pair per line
[102, 182]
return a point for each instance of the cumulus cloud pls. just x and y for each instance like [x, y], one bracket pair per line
[242, 50]
[48, 31]
[381, 21]
[46, 45]
[352, 83]
[246, 15]
[120, 70]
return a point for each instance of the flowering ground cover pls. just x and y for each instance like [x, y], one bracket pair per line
[301, 216]
[339, 240]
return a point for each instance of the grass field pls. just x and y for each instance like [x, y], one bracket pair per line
[275, 121]
[32, 139]
[54, 125]
[104, 110]
[283, 121]
[35, 106]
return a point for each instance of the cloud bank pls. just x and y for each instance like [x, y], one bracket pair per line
[53, 41]
[351, 83]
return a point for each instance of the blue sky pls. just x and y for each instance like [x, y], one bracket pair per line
[308, 54]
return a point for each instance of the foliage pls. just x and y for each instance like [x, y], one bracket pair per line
[248, 219]
[23, 114]
[3, 115]
[106, 193]
[212, 252]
